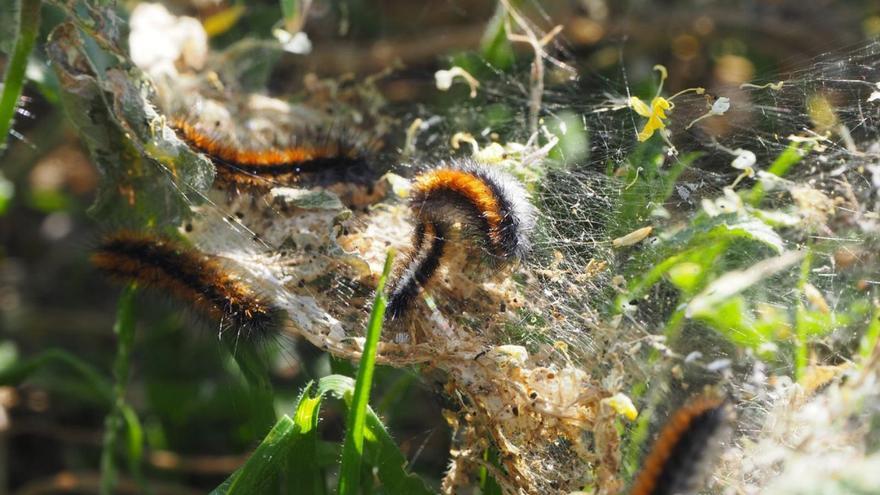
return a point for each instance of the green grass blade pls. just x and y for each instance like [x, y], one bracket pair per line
[262, 467]
[134, 436]
[276, 450]
[353, 448]
[780, 166]
[13, 81]
[488, 485]
[291, 11]
[869, 339]
[379, 448]
[23, 370]
[305, 462]
[124, 330]
[304, 470]
[375, 448]
[801, 342]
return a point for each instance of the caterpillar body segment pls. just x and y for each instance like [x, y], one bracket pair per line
[492, 209]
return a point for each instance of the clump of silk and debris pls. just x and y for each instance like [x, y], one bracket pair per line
[319, 249]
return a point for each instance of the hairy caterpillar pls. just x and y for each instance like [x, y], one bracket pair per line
[491, 206]
[189, 275]
[325, 156]
[683, 448]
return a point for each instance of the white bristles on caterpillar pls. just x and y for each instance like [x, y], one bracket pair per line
[492, 207]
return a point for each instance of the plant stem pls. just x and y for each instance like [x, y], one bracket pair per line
[353, 448]
[488, 484]
[124, 330]
[869, 339]
[801, 344]
[13, 80]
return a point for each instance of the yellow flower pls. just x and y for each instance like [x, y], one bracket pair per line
[655, 114]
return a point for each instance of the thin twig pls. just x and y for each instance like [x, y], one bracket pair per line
[529, 36]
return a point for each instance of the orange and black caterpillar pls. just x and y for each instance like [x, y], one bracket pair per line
[491, 206]
[683, 449]
[326, 157]
[189, 275]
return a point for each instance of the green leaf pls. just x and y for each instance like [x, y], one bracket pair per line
[134, 439]
[733, 318]
[389, 461]
[262, 467]
[813, 323]
[304, 473]
[149, 176]
[686, 276]
[704, 256]
[13, 80]
[705, 231]
[277, 452]
[753, 230]
[702, 242]
[353, 448]
[734, 282]
[495, 47]
[306, 454]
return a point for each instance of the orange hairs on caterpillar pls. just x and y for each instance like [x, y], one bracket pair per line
[491, 207]
[683, 449]
[338, 155]
[189, 275]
